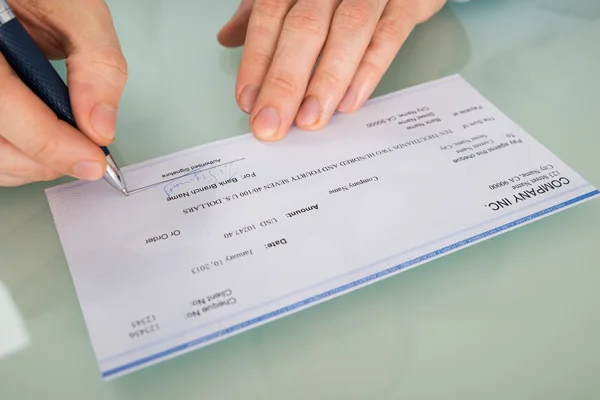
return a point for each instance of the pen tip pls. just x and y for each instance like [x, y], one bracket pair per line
[125, 192]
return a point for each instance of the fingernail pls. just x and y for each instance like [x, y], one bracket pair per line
[266, 123]
[310, 112]
[88, 170]
[248, 98]
[348, 100]
[104, 120]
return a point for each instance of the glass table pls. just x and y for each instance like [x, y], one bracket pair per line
[514, 317]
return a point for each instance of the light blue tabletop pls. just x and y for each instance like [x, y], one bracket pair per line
[515, 317]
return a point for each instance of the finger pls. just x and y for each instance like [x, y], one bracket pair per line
[302, 38]
[233, 33]
[16, 165]
[395, 25]
[30, 126]
[264, 27]
[96, 67]
[351, 31]
[11, 181]
[97, 74]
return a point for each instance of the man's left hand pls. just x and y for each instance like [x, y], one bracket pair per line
[279, 80]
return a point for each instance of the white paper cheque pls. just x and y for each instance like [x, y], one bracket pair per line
[228, 236]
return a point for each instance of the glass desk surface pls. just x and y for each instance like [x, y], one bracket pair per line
[513, 317]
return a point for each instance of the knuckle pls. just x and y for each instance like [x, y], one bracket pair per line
[284, 81]
[257, 60]
[113, 57]
[39, 8]
[20, 168]
[44, 150]
[270, 8]
[354, 15]
[371, 70]
[108, 61]
[332, 80]
[306, 19]
[390, 29]
[47, 174]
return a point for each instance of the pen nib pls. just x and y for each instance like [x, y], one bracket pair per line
[125, 192]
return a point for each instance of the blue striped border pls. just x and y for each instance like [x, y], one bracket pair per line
[345, 287]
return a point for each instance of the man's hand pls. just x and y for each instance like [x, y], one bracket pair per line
[34, 144]
[355, 41]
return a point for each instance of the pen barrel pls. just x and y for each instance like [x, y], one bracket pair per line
[34, 69]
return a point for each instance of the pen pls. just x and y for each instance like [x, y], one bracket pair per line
[36, 71]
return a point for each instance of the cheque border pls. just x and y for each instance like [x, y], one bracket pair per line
[335, 291]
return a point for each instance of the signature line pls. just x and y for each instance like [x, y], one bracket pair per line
[196, 171]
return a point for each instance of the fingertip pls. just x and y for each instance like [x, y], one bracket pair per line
[233, 33]
[267, 139]
[266, 124]
[91, 162]
[349, 100]
[348, 110]
[103, 119]
[229, 39]
[247, 98]
[88, 170]
[310, 114]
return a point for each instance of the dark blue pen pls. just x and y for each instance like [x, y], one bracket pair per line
[35, 70]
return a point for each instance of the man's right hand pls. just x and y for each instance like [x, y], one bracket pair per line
[34, 144]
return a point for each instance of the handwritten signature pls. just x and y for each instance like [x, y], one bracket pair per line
[206, 176]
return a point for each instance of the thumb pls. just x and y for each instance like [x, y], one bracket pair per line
[96, 78]
[233, 33]
[96, 67]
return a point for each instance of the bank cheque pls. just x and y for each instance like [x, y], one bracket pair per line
[221, 238]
